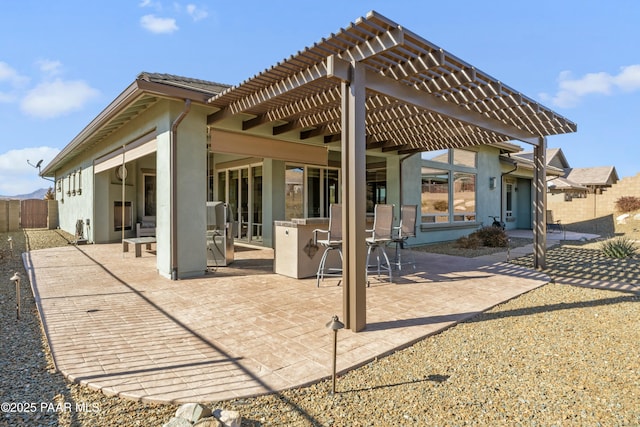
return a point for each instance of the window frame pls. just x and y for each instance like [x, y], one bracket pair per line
[450, 168]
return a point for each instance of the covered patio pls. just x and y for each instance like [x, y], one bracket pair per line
[377, 87]
[242, 331]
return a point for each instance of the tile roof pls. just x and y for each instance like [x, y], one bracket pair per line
[599, 175]
[210, 88]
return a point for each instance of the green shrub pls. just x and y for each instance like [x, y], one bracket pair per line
[469, 242]
[620, 247]
[493, 237]
[627, 204]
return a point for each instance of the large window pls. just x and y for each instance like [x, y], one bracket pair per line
[310, 190]
[448, 186]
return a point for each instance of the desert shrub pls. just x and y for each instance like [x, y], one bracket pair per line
[620, 247]
[472, 241]
[440, 205]
[627, 204]
[493, 237]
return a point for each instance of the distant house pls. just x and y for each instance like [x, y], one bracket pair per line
[573, 182]
[595, 179]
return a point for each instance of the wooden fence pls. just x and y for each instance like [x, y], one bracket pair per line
[32, 213]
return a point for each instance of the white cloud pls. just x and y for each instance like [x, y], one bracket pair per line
[196, 13]
[13, 81]
[50, 67]
[629, 78]
[571, 90]
[17, 176]
[158, 25]
[56, 98]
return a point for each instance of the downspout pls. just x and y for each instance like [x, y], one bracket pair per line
[502, 175]
[174, 188]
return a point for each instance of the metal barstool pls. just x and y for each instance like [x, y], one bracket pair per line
[332, 242]
[381, 234]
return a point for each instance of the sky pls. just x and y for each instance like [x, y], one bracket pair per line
[62, 63]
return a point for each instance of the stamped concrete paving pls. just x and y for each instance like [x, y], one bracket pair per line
[115, 325]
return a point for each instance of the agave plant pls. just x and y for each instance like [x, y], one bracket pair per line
[620, 247]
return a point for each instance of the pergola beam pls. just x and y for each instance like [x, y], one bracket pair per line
[430, 102]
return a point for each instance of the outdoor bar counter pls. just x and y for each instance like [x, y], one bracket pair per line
[295, 254]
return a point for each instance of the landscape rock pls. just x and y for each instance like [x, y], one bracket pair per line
[228, 418]
[177, 422]
[193, 412]
[208, 422]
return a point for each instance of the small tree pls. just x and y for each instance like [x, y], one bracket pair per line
[627, 204]
[49, 195]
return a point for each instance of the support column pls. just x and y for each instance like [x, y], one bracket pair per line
[540, 204]
[354, 200]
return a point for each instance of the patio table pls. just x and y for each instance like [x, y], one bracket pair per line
[137, 242]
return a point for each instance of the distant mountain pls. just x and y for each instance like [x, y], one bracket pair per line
[38, 194]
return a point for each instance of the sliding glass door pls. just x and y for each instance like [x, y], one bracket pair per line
[241, 189]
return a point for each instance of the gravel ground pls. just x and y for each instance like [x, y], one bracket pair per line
[559, 355]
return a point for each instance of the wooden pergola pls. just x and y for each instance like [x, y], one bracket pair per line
[376, 85]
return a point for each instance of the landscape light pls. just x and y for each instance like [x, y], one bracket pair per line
[334, 325]
[16, 280]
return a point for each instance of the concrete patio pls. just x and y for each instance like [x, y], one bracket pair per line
[115, 325]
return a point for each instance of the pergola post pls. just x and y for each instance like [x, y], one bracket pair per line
[354, 199]
[539, 204]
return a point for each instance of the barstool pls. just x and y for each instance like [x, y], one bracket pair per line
[406, 229]
[332, 242]
[380, 236]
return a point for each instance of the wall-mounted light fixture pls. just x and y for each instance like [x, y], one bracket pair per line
[492, 183]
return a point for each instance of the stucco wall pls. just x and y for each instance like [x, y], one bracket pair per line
[594, 205]
[9, 215]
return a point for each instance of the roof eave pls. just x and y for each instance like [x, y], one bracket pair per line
[126, 98]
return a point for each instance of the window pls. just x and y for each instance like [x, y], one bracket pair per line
[448, 186]
[376, 187]
[464, 196]
[310, 190]
[435, 195]
[119, 216]
[294, 201]
[464, 158]
[149, 195]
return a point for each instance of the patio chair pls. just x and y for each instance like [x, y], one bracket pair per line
[333, 241]
[553, 226]
[406, 229]
[381, 234]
